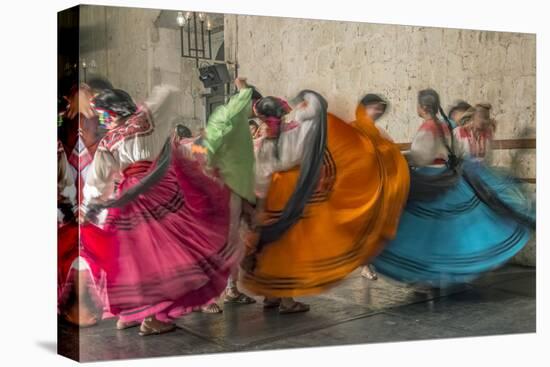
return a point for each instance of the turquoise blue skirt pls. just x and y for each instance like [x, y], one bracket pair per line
[457, 236]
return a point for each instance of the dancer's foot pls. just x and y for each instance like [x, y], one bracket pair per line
[152, 326]
[233, 295]
[289, 305]
[210, 308]
[81, 316]
[121, 325]
[271, 302]
[369, 273]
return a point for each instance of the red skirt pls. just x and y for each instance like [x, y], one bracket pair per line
[69, 252]
[167, 251]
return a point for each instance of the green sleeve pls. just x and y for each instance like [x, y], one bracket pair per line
[239, 102]
[222, 120]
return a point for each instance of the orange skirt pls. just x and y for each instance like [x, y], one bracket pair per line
[354, 211]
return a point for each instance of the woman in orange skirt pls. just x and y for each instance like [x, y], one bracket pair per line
[330, 197]
[371, 108]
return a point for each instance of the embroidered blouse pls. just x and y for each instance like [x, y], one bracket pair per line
[140, 138]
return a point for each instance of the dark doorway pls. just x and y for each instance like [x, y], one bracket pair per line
[217, 94]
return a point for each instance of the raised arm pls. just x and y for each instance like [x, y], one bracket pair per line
[163, 107]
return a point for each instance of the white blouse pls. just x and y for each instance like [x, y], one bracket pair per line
[65, 182]
[290, 147]
[427, 147]
[140, 138]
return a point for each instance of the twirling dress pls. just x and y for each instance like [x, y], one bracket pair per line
[354, 210]
[80, 136]
[461, 233]
[167, 250]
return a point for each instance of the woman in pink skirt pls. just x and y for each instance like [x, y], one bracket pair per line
[163, 243]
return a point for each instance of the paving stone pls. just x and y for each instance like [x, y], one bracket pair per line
[384, 293]
[481, 311]
[104, 342]
[503, 274]
[526, 286]
[240, 325]
[376, 328]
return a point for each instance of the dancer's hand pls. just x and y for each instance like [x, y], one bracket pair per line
[240, 83]
[81, 218]
[84, 102]
[80, 103]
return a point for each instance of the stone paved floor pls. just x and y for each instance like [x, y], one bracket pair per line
[356, 312]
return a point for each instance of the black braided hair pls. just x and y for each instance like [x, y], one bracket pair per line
[255, 92]
[116, 101]
[270, 107]
[310, 171]
[183, 131]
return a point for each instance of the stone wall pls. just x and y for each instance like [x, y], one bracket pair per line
[345, 60]
[135, 55]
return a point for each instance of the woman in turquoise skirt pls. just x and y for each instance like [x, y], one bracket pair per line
[461, 218]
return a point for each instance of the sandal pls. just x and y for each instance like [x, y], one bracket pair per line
[241, 299]
[271, 303]
[295, 308]
[155, 327]
[369, 273]
[210, 308]
[121, 325]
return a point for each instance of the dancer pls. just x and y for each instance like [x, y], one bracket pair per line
[164, 243]
[460, 220]
[67, 231]
[196, 149]
[82, 296]
[473, 144]
[375, 107]
[321, 205]
[226, 123]
[192, 148]
[371, 108]
[229, 148]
